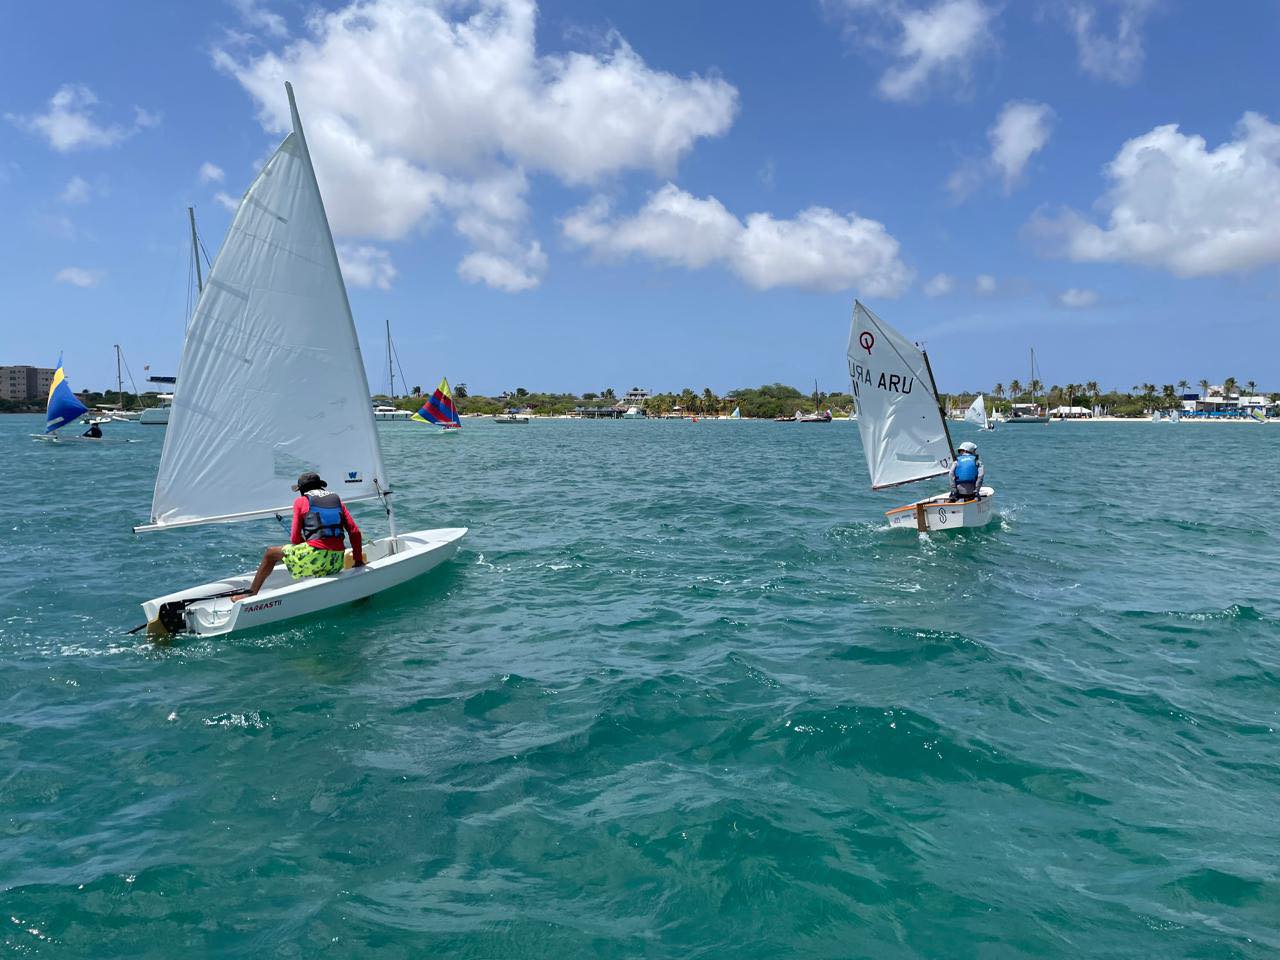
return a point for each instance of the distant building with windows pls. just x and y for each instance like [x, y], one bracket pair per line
[1218, 403]
[635, 397]
[21, 383]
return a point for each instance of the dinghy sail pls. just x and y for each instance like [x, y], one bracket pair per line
[901, 422]
[64, 406]
[977, 412]
[272, 384]
[271, 381]
[439, 409]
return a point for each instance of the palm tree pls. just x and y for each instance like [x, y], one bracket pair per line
[1015, 389]
[1092, 389]
[708, 400]
[1229, 386]
[1183, 386]
[1204, 389]
[998, 389]
[1035, 386]
[1252, 387]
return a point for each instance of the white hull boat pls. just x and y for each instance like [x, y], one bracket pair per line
[943, 513]
[208, 610]
[156, 416]
[226, 459]
[904, 432]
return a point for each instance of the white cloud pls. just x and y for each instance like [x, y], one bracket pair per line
[931, 44]
[939, 285]
[228, 202]
[256, 16]
[79, 277]
[366, 266]
[68, 123]
[1020, 131]
[1119, 57]
[1175, 204]
[142, 119]
[210, 173]
[984, 285]
[77, 190]
[412, 107]
[1077, 298]
[819, 249]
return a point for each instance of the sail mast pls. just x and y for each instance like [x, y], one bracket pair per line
[391, 370]
[119, 382]
[938, 400]
[195, 249]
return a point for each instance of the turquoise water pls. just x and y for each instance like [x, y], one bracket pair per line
[680, 695]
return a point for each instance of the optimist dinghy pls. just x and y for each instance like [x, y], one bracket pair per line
[903, 427]
[272, 384]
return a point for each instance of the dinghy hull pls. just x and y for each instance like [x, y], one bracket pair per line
[940, 513]
[283, 598]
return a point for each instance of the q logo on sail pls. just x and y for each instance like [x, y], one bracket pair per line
[866, 340]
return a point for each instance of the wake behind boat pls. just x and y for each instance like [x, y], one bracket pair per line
[903, 428]
[241, 427]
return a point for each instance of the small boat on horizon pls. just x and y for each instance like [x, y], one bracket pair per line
[440, 410]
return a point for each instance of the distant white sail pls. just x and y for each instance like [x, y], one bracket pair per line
[903, 435]
[977, 412]
[271, 382]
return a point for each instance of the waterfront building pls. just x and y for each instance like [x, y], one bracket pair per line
[21, 383]
[636, 397]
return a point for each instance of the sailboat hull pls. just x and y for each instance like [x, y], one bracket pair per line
[283, 598]
[941, 513]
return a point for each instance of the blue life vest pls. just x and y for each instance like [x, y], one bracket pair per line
[324, 519]
[966, 468]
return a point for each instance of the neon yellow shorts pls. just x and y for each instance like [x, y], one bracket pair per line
[304, 560]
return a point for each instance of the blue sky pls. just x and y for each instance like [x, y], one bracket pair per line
[580, 195]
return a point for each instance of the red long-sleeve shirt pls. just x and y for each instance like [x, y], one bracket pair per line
[302, 506]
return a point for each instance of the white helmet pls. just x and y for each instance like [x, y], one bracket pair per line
[968, 447]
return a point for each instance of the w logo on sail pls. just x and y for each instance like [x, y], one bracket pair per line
[353, 476]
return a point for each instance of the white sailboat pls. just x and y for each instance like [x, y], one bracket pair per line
[271, 384]
[904, 433]
[977, 414]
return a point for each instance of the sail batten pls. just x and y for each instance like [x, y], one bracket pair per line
[903, 434]
[271, 382]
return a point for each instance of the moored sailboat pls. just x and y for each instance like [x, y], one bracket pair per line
[272, 383]
[904, 433]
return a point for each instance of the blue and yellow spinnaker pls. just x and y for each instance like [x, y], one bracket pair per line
[64, 406]
[439, 409]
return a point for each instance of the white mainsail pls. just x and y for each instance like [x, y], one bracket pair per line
[977, 412]
[903, 433]
[271, 382]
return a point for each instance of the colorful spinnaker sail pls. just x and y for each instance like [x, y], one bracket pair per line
[64, 406]
[439, 408]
